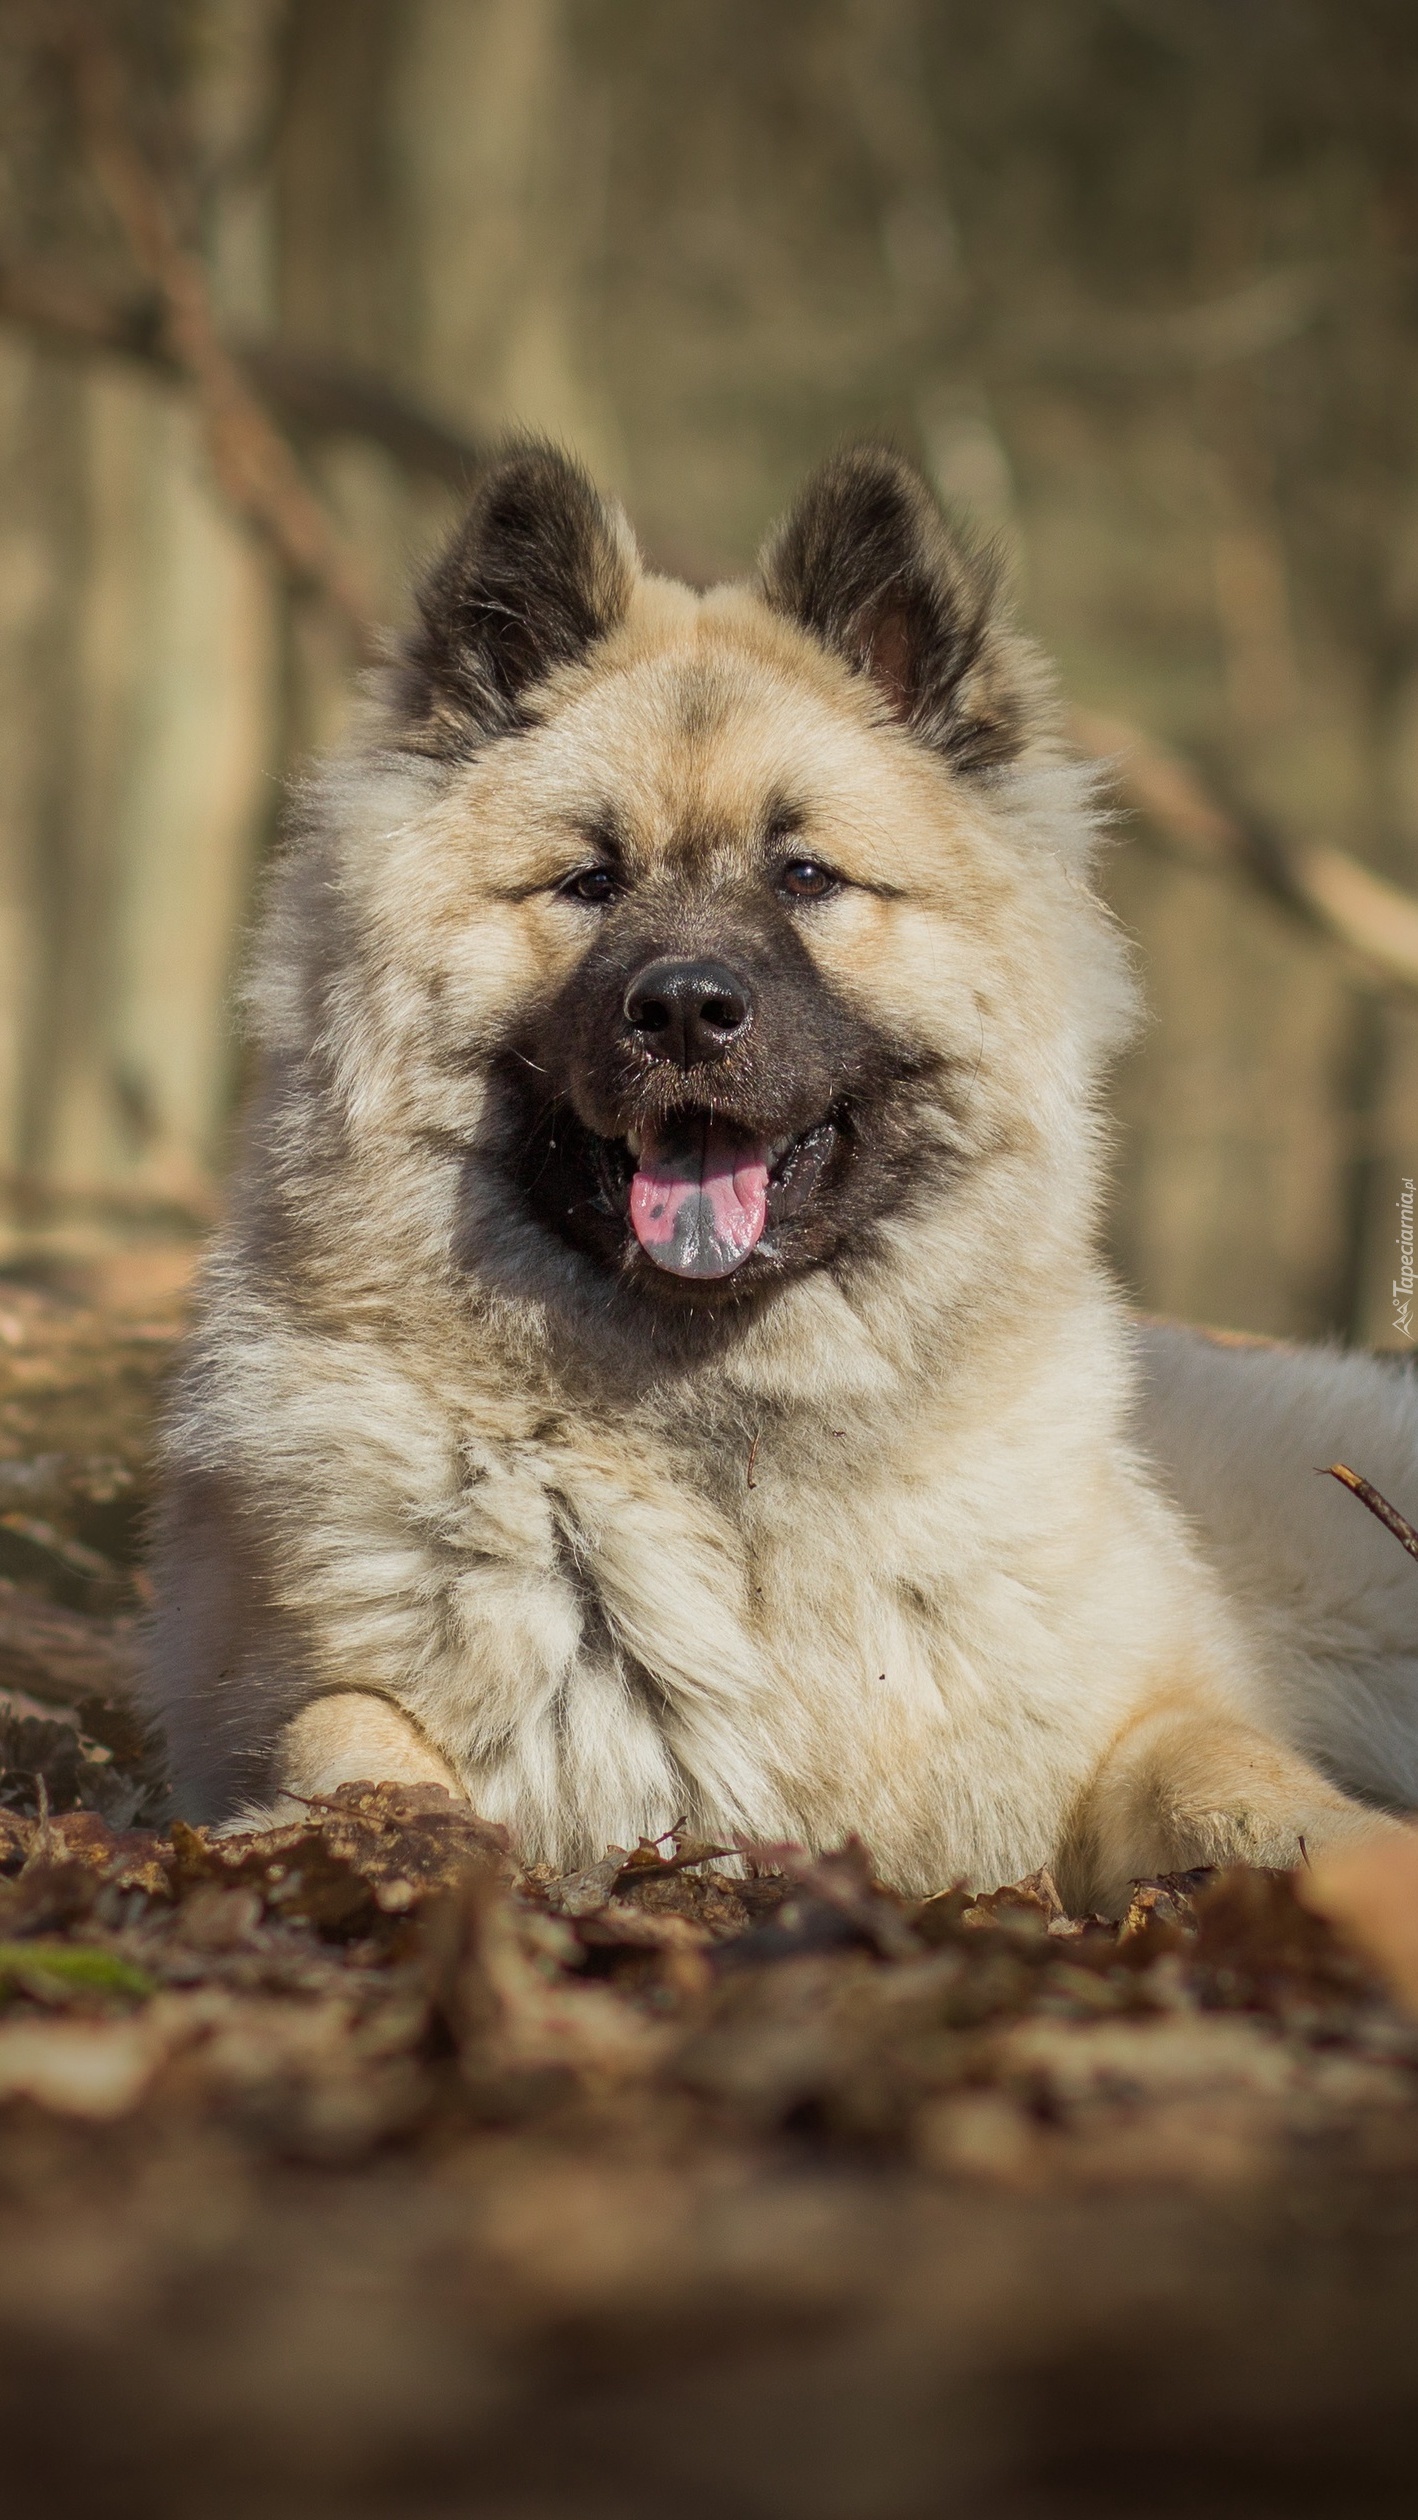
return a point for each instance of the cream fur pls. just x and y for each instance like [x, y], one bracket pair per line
[419, 1453]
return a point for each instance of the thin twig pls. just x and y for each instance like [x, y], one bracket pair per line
[749, 1478]
[631, 1872]
[252, 460]
[1378, 1505]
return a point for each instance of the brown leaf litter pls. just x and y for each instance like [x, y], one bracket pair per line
[350, 2167]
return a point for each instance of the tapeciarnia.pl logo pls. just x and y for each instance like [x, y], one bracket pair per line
[1403, 1283]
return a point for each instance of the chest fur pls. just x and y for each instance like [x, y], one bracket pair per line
[805, 1658]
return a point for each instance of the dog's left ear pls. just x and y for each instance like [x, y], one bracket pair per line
[868, 564]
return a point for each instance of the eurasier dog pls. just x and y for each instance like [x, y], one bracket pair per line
[657, 1364]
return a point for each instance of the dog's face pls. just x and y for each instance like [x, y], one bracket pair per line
[714, 901]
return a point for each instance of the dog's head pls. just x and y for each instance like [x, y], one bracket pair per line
[745, 923]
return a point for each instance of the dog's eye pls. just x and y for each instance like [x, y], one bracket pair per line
[595, 884]
[802, 879]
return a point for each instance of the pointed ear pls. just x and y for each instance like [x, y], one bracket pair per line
[868, 564]
[539, 570]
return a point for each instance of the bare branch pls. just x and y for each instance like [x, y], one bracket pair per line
[330, 398]
[62, 309]
[252, 460]
[303, 389]
[1332, 891]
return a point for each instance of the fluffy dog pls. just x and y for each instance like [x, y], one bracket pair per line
[657, 1363]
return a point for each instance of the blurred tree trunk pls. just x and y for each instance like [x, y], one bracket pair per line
[439, 215]
[138, 716]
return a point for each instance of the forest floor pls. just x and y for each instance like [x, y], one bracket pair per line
[350, 2169]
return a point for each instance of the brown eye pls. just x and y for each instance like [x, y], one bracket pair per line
[802, 879]
[595, 884]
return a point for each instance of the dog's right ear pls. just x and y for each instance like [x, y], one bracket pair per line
[539, 570]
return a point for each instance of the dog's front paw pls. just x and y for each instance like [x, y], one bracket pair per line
[283, 1811]
[356, 1737]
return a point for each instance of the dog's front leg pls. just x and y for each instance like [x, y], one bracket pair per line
[351, 1737]
[1188, 1785]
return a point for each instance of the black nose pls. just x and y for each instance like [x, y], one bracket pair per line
[687, 1011]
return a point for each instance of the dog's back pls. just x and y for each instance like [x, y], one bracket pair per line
[1243, 1430]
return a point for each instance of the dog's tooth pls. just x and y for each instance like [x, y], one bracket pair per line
[633, 1141]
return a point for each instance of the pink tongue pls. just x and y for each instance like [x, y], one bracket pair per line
[699, 1200]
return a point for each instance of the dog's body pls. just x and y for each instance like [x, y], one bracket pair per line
[657, 1365]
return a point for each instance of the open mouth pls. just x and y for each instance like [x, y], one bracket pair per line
[705, 1193]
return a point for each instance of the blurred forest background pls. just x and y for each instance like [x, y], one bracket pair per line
[1137, 280]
